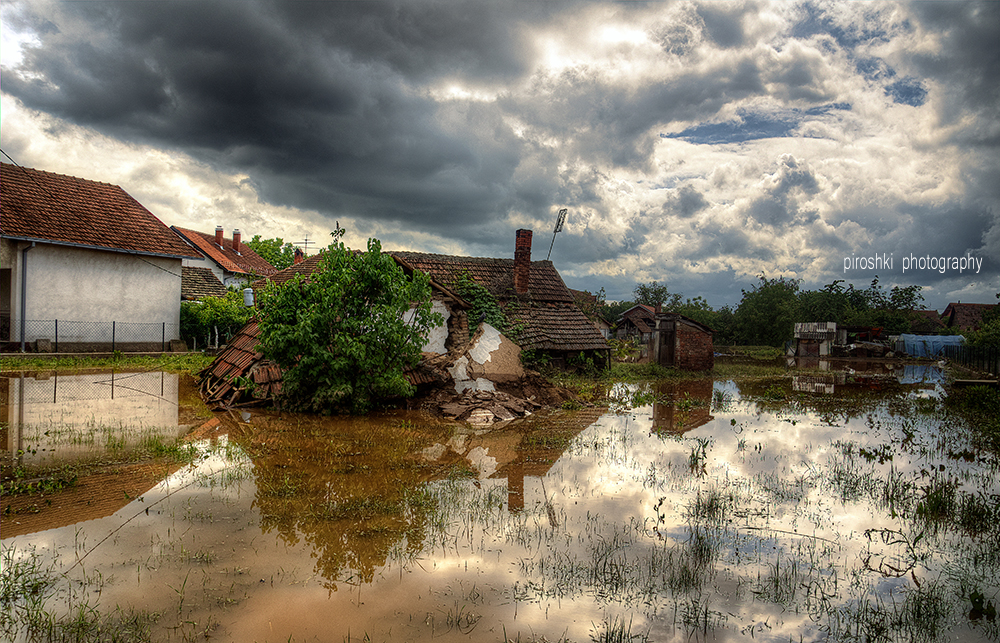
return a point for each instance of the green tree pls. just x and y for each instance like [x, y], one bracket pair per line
[698, 310]
[274, 251]
[655, 294]
[831, 304]
[213, 317]
[346, 334]
[767, 313]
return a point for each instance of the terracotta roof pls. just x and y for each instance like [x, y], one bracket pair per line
[245, 262]
[198, 283]
[965, 316]
[496, 275]
[65, 210]
[561, 328]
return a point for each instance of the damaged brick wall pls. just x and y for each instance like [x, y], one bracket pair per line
[693, 350]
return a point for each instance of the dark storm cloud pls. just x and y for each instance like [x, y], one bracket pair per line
[969, 58]
[313, 99]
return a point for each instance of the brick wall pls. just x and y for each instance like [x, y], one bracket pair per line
[693, 350]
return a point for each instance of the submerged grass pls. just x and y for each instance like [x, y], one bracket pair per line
[171, 362]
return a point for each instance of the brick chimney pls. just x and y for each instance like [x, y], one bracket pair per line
[218, 235]
[236, 240]
[522, 261]
[299, 256]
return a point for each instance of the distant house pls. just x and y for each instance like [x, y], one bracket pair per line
[669, 339]
[231, 261]
[531, 292]
[637, 321]
[79, 256]
[965, 316]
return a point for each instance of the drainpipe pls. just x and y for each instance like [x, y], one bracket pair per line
[24, 289]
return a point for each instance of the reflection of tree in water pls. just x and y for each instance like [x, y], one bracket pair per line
[348, 486]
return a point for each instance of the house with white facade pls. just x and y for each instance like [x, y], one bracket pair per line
[84, 266]
[232, 262]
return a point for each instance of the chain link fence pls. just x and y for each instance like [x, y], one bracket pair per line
[68, 336]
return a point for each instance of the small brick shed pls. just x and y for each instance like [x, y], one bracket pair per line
[682, 342]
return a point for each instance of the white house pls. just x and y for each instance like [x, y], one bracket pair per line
[83, 264]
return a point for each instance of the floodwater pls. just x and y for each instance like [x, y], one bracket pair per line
[842, 506]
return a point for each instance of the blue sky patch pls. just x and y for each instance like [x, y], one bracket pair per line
[753, 126]
[907, 91]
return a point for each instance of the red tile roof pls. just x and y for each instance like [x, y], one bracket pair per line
[965, 316]
[496, 275]
[65, 210]
[245, 262]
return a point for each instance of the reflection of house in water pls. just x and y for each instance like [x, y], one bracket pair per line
[59, 418]
[818, 383]
[863, 374]
[689, 408]
[50, 419]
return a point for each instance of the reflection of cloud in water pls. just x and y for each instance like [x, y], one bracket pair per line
[586, 517]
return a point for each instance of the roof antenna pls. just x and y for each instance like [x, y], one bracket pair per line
[560, 220]
[305, 245]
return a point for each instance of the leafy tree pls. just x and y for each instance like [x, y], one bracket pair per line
[346, 334]
[655, 294]
[613, 311]
[829, 304]
[274, 251]
[767, 313]
[214, 316]
[698, 310]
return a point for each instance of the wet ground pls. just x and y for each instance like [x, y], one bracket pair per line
[841, 505]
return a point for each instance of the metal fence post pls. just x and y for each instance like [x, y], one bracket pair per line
[57, 335]
[163, 340]
[112, 337]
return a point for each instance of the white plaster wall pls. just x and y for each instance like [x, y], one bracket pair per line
[438, 335]
[78, 284]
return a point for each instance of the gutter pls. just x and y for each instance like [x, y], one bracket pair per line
[24, 289]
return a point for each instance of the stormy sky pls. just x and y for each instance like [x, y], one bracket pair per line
[696, 144]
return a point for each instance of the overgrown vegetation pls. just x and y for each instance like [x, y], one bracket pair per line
[768, 310]
[346, 335]
[485, 307]
[214, 320]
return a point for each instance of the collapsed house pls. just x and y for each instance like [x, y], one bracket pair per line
[476, 368]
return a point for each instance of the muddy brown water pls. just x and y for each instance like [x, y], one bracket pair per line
[811, 507]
